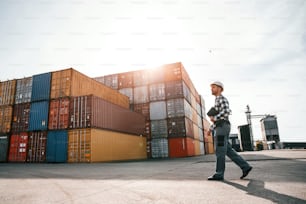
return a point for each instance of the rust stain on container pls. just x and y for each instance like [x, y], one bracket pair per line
[92, 111]
[18, 147]
[70, 82]
[96, 145]
[6, 114]
[21, 117]
[37, 147]
[59, 113]
[7, 92]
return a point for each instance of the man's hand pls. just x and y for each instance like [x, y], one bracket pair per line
[212, 118]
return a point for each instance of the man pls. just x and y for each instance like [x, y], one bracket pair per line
[219, 115]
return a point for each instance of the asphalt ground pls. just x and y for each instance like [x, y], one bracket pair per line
[278, 176]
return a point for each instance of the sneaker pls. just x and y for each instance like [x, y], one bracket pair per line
[215, 178]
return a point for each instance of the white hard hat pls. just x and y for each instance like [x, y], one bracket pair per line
[218, 83]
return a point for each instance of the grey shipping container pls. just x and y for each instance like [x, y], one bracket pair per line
[39, 115]
[157, 92]
[129, 93]
[4, 144]
[141, 94]
[57, 146]
[180, 127]
[158, 110]
[23, 90]
[175, 108]
[41, 87]
[159, 148]
[91, 111]
[159, 129]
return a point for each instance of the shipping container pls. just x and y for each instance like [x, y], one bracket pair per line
[198, 109]
[129, 93]
[6, 114]
[194, 115]
[201, 134]
[4, 144]
[143, 108]
[125, 80]
[21, 117]
[18, 147]
[57, 146]
[140, 78]
[203, 109]
[181, 147]
[111, 81]
[178, 107]
[141, 94]
[159, 148]
[24, 90]
[41, 87]
[177, 89]
[196, 131]
[158, 110]
[39, 115]
[202, 148]
[59, 114]
[199, 122]
[92, 111]
[159, 129]
[148, 129]
[180, 127]
[157, 92]
[37, 147]
[156, 75]
[173, 72]
[197, 148]
[69, 82]
[7, 92]
[246, 142]
[96, 145]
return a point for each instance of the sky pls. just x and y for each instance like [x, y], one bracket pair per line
[257, 48]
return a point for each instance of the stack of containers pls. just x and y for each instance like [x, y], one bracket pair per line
[171, 105]
[7, 94]
[66, 116]
[90, 122]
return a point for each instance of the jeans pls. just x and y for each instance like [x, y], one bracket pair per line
[223, 147]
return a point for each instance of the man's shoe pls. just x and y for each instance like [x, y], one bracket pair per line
[215, 178]
[246, 172]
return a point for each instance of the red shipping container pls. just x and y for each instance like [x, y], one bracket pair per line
[59, 114]
[181, 147]
[37, 147]
[18, 147]
[21, 117]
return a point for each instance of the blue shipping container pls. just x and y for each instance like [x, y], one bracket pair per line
[41, 87]
[39, 115]
[57, 146]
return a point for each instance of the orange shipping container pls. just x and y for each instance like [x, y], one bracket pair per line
[59, 113]
[7, 92]
[70, 82]
[6, 114]
[181, 147]
[96, 145]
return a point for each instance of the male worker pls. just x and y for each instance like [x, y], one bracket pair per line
[219, 115]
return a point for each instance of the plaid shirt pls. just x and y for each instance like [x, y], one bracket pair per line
[222, 106]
